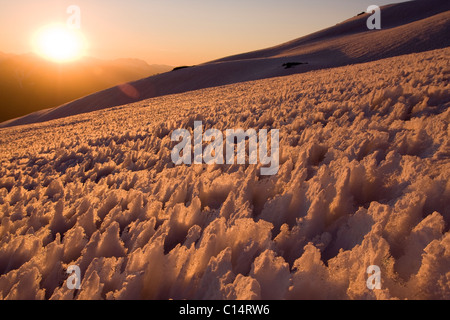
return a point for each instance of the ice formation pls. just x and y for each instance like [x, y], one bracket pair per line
[364, 180]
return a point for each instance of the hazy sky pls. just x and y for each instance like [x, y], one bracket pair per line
[176, 32]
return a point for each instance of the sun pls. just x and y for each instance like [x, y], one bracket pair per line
[59, 43]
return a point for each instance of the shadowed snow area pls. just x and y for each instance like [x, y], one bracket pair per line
[408, 27]
[363, 180]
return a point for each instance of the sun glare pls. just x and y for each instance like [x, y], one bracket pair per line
[59, 43]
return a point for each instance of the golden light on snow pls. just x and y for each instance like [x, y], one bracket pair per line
[363, 187]
[59, 43]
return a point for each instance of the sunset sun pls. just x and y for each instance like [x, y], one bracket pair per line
[59, 43]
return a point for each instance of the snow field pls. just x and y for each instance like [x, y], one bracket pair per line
[363, 180]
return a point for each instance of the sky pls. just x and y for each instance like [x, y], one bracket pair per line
[175, 32]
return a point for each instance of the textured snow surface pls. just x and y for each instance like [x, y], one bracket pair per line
[364, 180]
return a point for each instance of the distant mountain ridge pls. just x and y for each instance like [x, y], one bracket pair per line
[29, 83]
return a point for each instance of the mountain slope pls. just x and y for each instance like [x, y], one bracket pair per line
[414, 26]
[353, 33]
